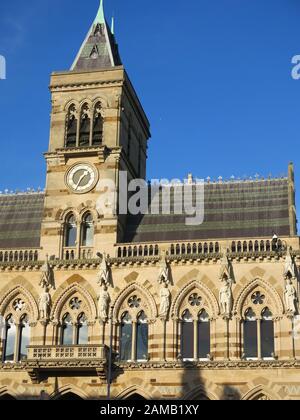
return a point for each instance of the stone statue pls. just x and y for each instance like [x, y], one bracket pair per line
[104, 272]
[103, 303]
[165, 298]
[290, 296]
[289, 269]
[226, 298]
[164, 274]
[226, 269]
[47, 277]
[45, 304]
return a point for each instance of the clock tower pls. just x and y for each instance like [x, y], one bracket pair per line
[98, 128]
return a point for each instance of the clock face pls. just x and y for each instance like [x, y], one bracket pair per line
[82, 178]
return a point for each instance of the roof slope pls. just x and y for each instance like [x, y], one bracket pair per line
[20, 220]
[250, 209]
[232, 210]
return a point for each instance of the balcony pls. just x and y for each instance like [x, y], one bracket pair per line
[72, 254]
[44, 353]
[49, 360]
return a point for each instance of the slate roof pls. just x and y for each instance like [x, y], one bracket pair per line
[251, 209]
[99, 49]
[232, 210]
[20, 220]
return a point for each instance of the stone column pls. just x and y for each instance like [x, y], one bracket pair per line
[102, 332]
[17, 342]
[195, 340]
[259, 353]
[75, 332]
[164, 341]
[134, 343]
[44, 324]
[179, 338]
[227, 351]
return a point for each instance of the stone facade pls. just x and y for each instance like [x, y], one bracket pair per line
[65, 308]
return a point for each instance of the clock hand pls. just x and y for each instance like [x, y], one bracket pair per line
[81, 178]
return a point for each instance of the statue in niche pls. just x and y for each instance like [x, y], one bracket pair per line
[103, 303]
[226, 297]
[44, 304]
[226, 270]
[290, 297]
[165, 300]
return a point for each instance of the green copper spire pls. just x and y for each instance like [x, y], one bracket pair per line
[100, 18]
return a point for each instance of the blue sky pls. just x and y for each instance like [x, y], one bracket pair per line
[214, 77]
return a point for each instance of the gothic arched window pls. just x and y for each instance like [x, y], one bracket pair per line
[142, 337]
[82, 330]
[10, 339]
[97, 137]
[259, 338]
[203, 335]
[195, 328]
[67, 331]
[134, 328]
[74, 322]
[187, 336]
[250, 335]
[24, 339]
[267, 334]
[71, 127]
[85, 126]
[87, 231]
[71, 232]
[126, 338]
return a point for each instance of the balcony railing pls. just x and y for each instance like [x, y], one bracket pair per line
[51, 353]
[84, 253]
[19, 255]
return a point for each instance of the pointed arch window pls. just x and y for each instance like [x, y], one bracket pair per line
[71, 232]
[10, 339]
[82, 336]
[85, 126]
[142, 337]
[195, 331]
[259, 342]
[24, 337]
[187, 336]
[126, 338]
[87, 237]
[250, 335]
[67, 330]
[267, 334]
[71, 129]
[97, 137]
[203, 335]
[17, 339]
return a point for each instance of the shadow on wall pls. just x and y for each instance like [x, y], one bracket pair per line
[194, 388]
[230, 394]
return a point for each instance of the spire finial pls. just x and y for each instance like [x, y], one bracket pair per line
[112, 28]
[100, 18]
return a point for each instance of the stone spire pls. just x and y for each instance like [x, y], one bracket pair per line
[99, 49]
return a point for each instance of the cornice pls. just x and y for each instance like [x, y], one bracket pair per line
[85, 264]
[209, 365]
[79, 364]
[91, 85]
